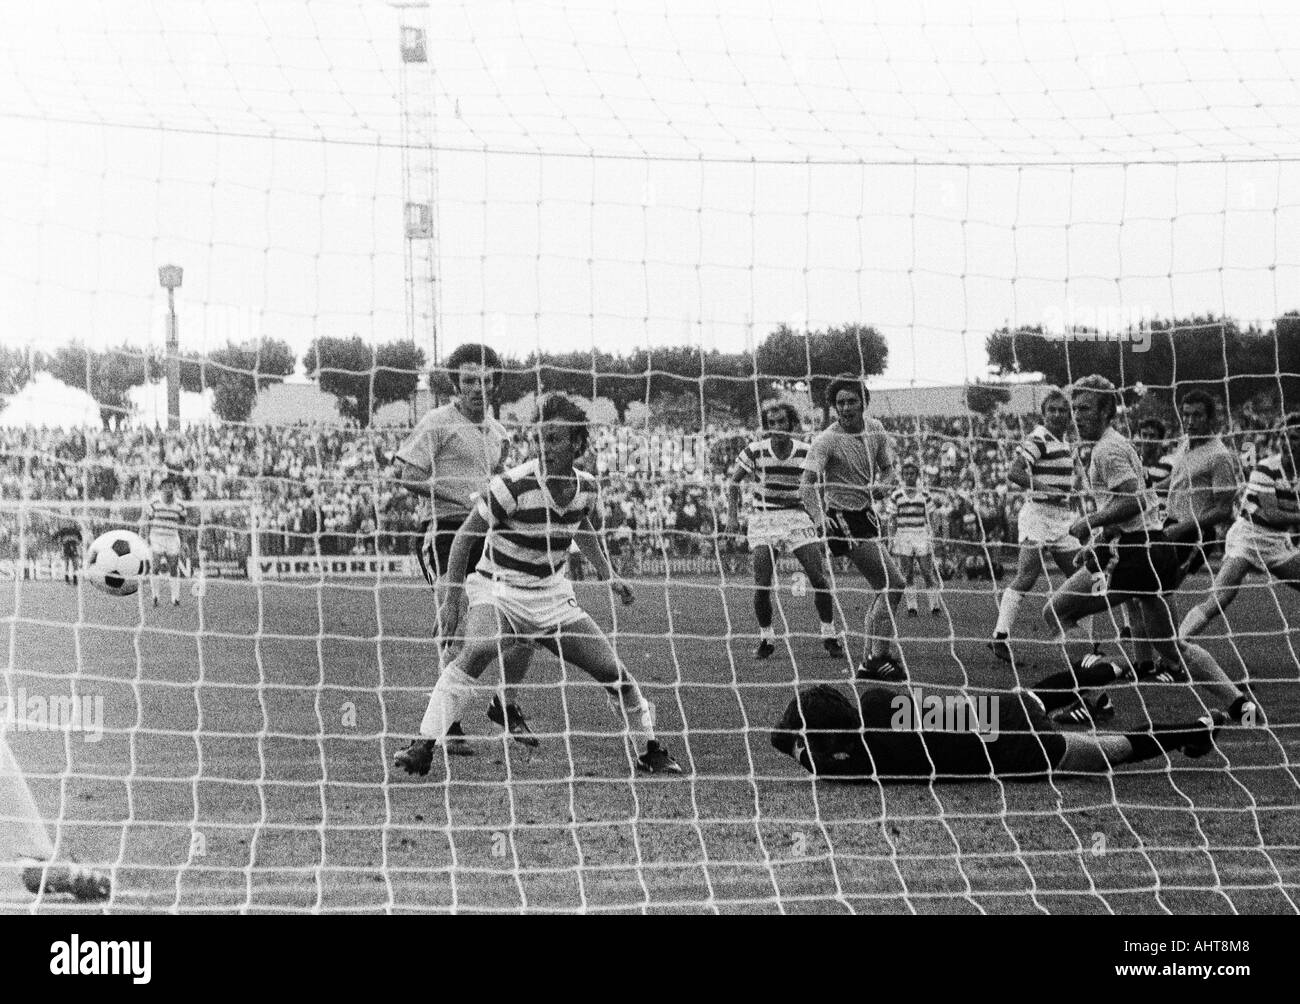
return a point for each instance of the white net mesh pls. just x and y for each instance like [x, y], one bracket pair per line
[649, 208]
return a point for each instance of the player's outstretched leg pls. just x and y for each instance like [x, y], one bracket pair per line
[584, 645]
[25, 845]
[1232, 573]
[1098, 753]
[46, 878]
[455, 690]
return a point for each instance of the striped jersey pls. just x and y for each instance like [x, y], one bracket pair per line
[1051, 467]
[529, 533]
[911, 508]
[1267, 478]
[776, 479]
[165, 518]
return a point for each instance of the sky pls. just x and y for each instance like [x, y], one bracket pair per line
[637, 174]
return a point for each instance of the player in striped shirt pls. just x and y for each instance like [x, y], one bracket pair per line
[779, 521]
[162, 521]
[1260, 539]
[910, 509]
[518, 595]
[1044, 466]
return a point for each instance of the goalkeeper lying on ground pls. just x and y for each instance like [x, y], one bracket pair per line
[1010, 736]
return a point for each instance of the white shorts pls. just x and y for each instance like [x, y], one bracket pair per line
[165, 546]
[910, 543]
[780, 529]
[1047, 526]
[1264, 549]
[526, 612]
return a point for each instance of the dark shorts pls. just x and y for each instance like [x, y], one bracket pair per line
[71, 548]
[1146, 564]
[847, 528]
[434, 559]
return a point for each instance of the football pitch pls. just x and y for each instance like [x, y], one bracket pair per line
[245, 765]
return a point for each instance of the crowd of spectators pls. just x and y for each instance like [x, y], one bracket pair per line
[328, 490]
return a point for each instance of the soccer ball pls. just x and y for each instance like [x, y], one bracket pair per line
[117, 561]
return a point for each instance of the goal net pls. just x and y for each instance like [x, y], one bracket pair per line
[673, 216]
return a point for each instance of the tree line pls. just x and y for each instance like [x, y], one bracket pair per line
[675, 381]
[1235, 362]
[687, 385]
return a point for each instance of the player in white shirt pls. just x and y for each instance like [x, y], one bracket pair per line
[1045, 467]
[162, 521]
[448, 460]
[518, 595]
[779, 522]
[910, 510]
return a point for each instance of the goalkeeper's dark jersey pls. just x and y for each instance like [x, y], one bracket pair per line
[838, 743]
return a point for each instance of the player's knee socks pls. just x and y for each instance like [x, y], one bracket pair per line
[1089, 673]
[176, 587]
[451, 695]
[153, 586]
[932, 597]
[909, 597]
[1194, 623]
[1007, 608]
[763, 606]
[825, 605]
[1128, 621]
[640, 712]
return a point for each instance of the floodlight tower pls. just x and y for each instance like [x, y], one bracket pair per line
[419, 180]
[169, 277]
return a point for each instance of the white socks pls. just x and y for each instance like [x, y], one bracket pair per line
[768, 632]
[1007, 610]
[451, 695]
[828, 630]
[640, 712]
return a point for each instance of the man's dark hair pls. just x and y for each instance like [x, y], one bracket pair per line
[563, 410]
[1202, 397]
[851, 383]
[472, 354]
[1152, 423]
[1055, 394]
[791, 413]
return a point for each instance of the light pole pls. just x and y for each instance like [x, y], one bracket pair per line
[169, 277]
